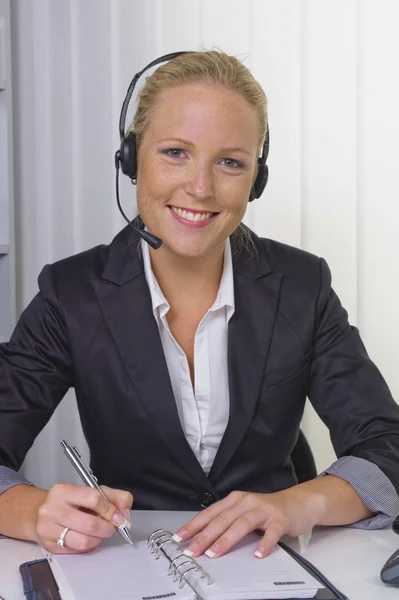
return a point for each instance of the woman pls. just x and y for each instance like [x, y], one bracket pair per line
[191, 363]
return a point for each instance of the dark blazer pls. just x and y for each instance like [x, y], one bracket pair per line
[91, 327]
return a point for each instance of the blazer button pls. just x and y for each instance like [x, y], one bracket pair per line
[206, 499]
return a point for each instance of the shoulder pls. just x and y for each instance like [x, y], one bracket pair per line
[89, 263]
[75, 274]
[300, 267]
[303, 275]
[288, 259]
[74, 270]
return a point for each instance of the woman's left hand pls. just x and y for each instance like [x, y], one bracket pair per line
[218, 528]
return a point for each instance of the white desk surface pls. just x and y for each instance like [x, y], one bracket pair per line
[350, 558]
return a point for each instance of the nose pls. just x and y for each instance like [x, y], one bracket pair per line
[200, 183]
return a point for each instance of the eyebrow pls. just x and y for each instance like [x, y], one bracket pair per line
[187, 143]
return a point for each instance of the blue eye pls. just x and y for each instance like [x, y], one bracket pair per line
[173, 152]
[233, 163]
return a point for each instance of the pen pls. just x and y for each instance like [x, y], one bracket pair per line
[88, 477]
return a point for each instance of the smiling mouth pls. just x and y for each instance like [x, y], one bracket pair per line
[194, 216]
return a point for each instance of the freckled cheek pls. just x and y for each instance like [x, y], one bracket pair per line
[159, 182]
[152, 191]
[234, 199]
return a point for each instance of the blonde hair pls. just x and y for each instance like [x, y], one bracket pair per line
[212, 66]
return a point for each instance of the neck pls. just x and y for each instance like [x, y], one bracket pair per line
[183, 278]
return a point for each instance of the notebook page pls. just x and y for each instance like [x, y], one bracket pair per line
[239, 576]
[119, 572]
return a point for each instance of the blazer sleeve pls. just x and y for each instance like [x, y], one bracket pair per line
[348, 391]
[35, 372]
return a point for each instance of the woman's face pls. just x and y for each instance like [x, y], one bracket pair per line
[195, 167]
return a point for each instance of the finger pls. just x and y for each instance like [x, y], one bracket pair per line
[89, 498]
[122, 499]
[202, 519]
[49, 527]
[76, 519]
[216, 539]
[272, 535]
[74, 542]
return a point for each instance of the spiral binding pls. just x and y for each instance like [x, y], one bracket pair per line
[182, 564]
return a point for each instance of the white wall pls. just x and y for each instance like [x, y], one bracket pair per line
[329, 70]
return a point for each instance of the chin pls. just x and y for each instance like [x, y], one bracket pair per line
[190, 249]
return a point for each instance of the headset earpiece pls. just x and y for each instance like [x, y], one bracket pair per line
[260, 181]
[128, 156]
[263, 170]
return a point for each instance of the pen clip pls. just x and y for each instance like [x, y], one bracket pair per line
[75, 456]
[84, 463]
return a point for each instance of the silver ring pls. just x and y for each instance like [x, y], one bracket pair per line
[61, 539]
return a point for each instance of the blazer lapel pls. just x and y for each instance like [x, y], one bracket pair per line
[126, 304]
[256, 291]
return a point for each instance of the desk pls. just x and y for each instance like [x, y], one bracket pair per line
[350, 558]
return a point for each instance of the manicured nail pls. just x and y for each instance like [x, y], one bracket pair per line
[121, 521]
[127, 524]
[118, 519]
[215, 550]
[128, 514]
[191, 550]
[179, 535]
[259, 552]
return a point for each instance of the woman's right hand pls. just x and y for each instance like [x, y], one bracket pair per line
[88, 515]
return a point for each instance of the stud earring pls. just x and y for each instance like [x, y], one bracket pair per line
[134, 181]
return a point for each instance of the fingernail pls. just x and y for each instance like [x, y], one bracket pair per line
[259, 552]
[128, 514]
[121, 521]
[118, 519]
[127, 524]
[191, 550]
[179, 535]
[215, 550]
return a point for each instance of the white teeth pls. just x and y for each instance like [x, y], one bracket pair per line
[189, 216]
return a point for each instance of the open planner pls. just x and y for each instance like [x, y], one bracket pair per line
[157, 569]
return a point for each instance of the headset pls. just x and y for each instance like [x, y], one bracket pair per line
[126, 155]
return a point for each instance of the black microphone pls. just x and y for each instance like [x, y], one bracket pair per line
[154, 241]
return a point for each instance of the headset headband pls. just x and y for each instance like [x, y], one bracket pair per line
[129, 93]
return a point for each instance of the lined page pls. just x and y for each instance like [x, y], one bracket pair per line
[121, 572]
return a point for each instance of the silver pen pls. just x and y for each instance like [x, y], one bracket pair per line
[88, 477]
